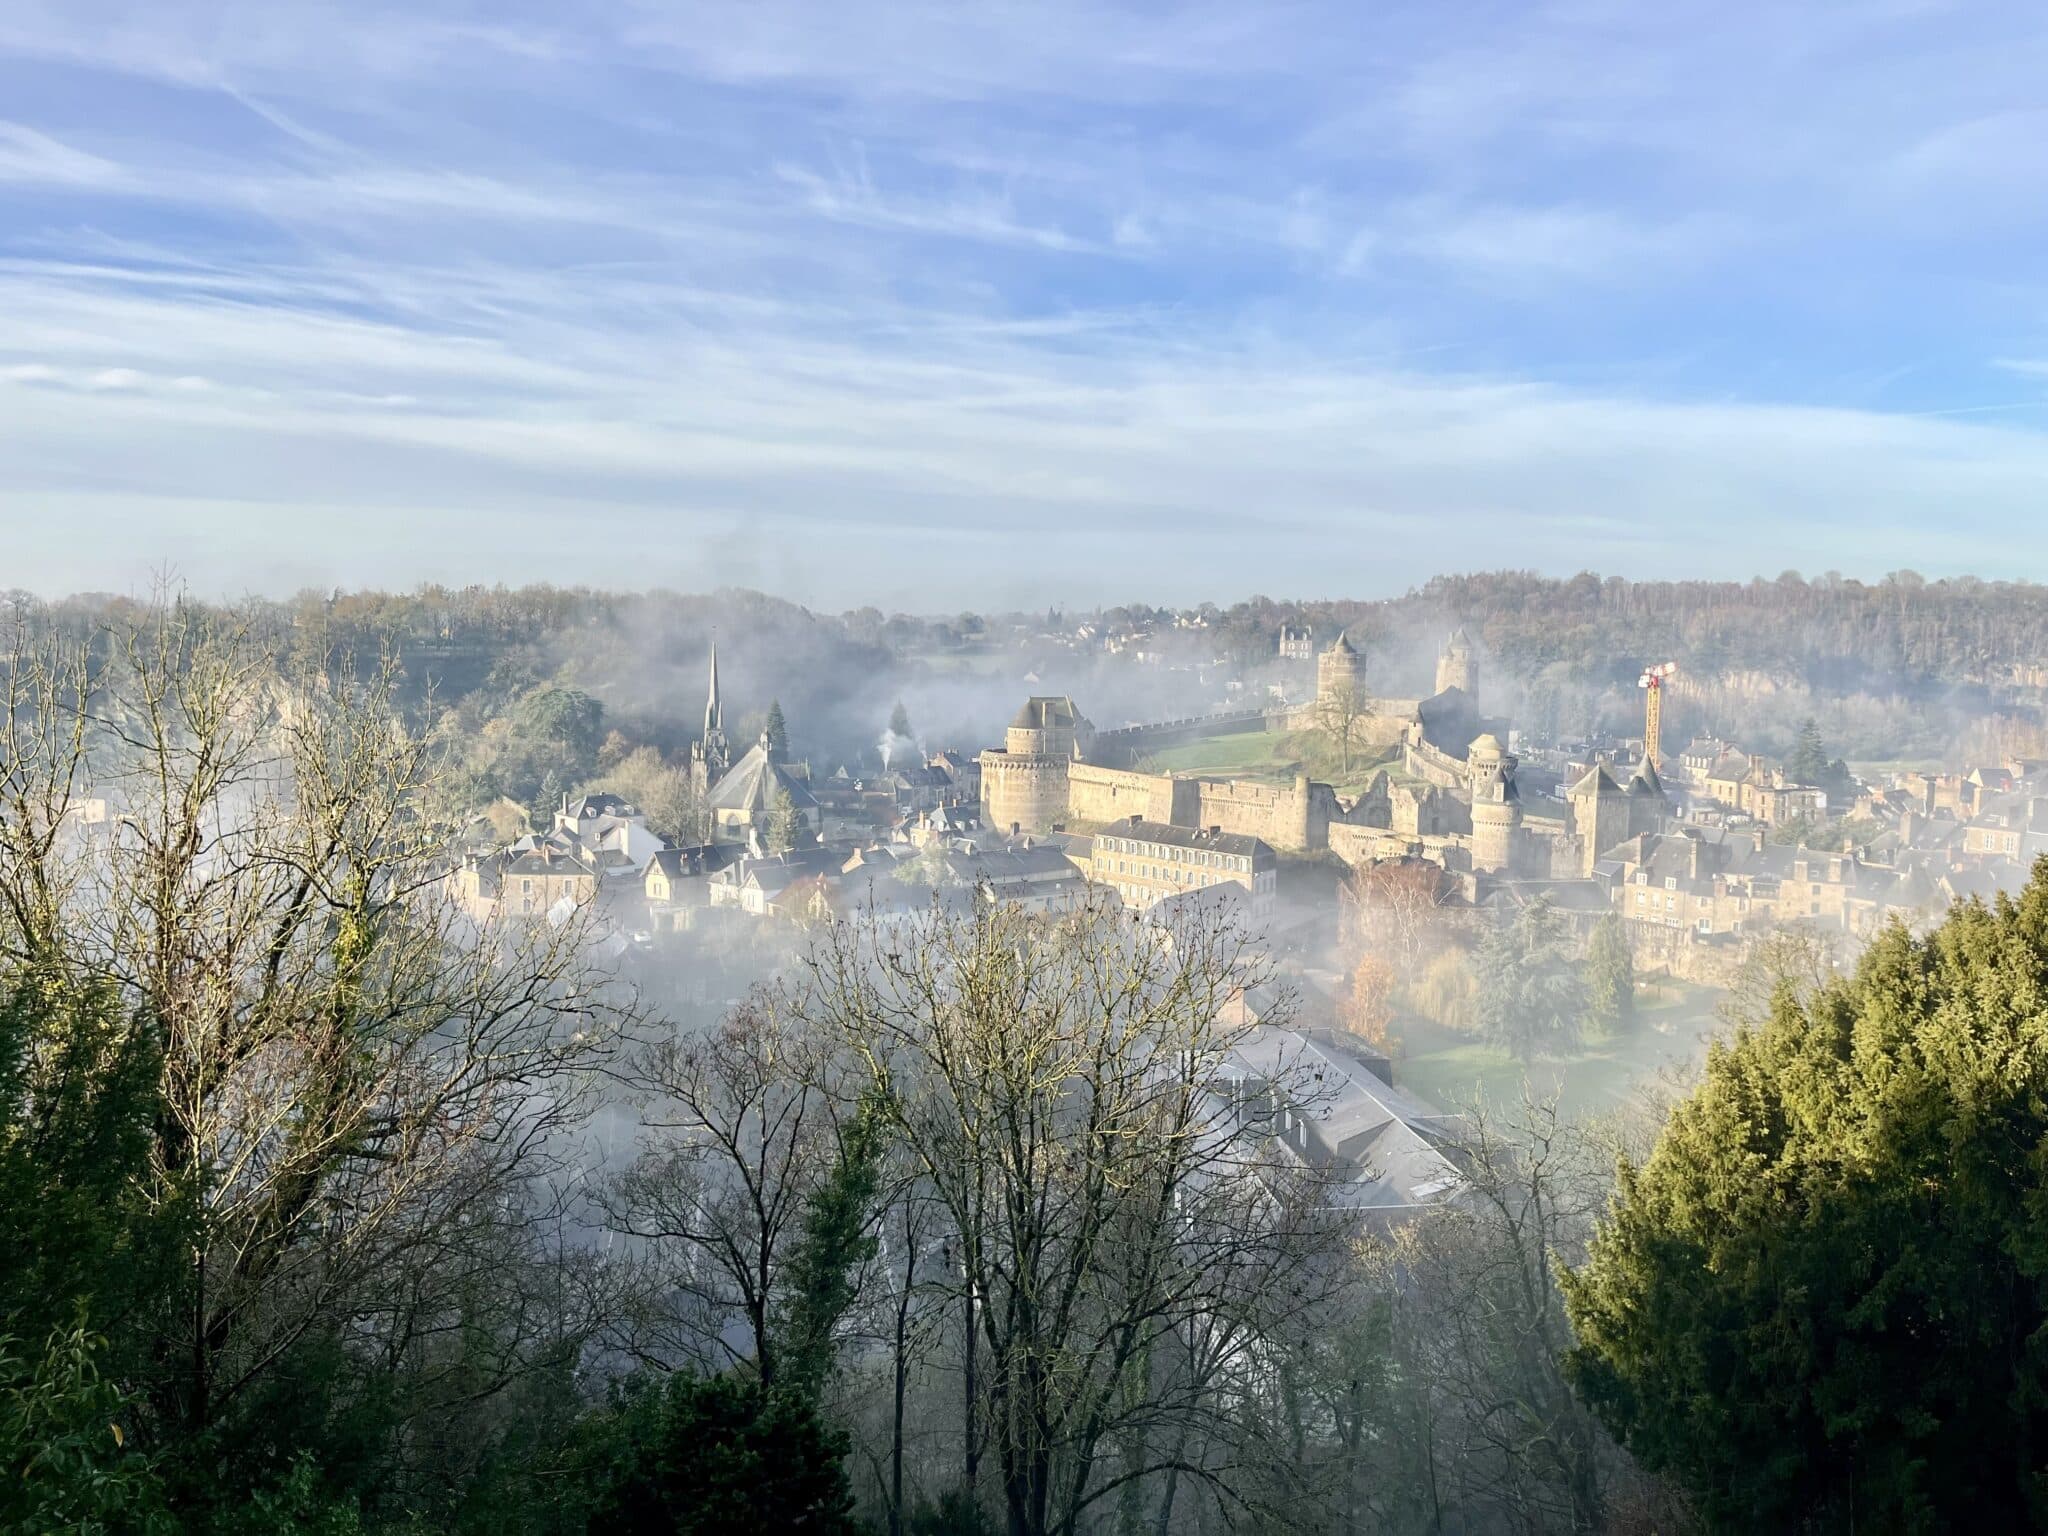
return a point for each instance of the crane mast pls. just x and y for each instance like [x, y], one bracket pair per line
[1652, 683]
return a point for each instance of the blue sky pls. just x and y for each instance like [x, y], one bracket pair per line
[940, 305]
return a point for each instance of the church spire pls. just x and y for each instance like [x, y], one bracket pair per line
[714, 710]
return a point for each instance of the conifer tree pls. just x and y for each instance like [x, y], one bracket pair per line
[1531, 1000]
[1610, 978]
[784, 824]
[1808, 763]
[1819, 1302]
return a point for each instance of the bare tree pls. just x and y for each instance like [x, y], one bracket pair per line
[1339, 714]
[352, 1072]
[1480, 1329]
[1395, 908]
[738, 1130]
[1064, 1086]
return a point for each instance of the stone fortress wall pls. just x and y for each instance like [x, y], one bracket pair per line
[1097, 795]
[1056, 770]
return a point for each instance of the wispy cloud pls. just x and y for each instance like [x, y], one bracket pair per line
[29, 156]
[1089, 290]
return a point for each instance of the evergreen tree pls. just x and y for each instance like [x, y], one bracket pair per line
[785, 823]
[836, 1240]
[79, 1090]
[717, 1456]
[1531, 999]
[899, 722]
[1820, 1301]
[778, 732]
[1610, 978]
[1808, 763]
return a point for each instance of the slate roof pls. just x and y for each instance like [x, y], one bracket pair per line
[1393, 1144]
[1045, 711]
[751, 784]
[778, 870]
[1162, 833]
[545, 859]
[1596, 781]
[1228, 900]
[1011, 866]
[698, 859]
[589, 807]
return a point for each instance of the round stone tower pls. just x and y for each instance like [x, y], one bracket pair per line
[1456, 667]
[1024, 784]
[1496, 806]
[1340, 670]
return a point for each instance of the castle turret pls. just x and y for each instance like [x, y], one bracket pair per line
[1456, 667]
[1025, 783]
[1496, 805]
[1649, 807]
[1340, 671]
[1598, 810]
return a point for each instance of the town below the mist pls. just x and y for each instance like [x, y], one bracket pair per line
[1523, 1056]
[1371, 836]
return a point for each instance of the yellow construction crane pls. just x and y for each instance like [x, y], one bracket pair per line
[1652, 683]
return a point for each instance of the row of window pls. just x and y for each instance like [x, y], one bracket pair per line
[1169, 876]
[1200, 857]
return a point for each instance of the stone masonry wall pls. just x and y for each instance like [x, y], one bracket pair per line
[1097, 795]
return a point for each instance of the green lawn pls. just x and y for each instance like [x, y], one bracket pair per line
[1253, 754]
[1278, 755]
[1671, 1030]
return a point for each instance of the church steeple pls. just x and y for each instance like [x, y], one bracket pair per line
[709, 756]
[714, 710]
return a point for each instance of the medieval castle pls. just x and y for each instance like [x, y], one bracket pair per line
[1453, 799]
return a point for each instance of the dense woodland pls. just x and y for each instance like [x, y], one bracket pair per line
[1900, 668]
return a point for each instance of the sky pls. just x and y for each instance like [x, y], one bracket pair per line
[937, 305]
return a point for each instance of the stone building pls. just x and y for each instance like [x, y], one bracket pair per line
[1600, 813]
[743, 802]
[1340, 674]
[1024, 782]
[1496, 806]
[1457, 667]
[1147, 861]
[526, 880]
[710, 754]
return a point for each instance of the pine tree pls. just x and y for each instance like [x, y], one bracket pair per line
[784, 823]
[1808, 763]
[1610, 978]
[899, 722]
[778, 732]
[1531, 999]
